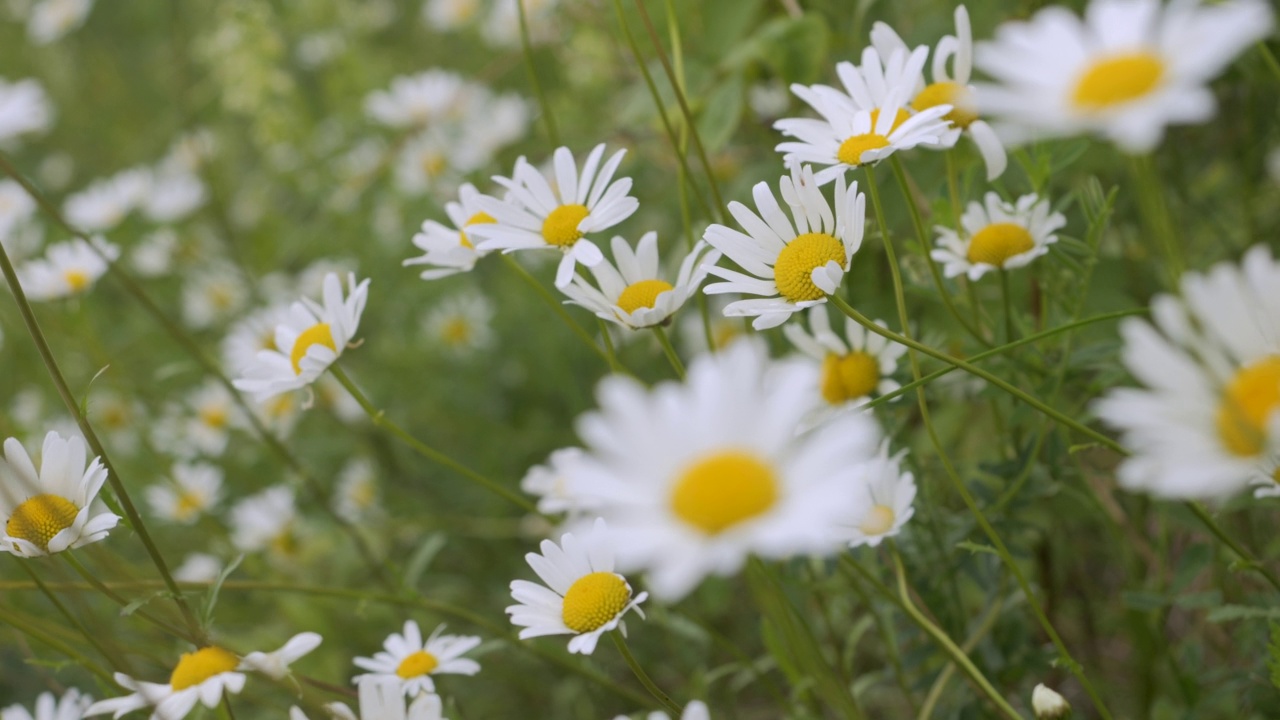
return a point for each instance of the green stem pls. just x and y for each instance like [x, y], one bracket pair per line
[1246, 557]
[608, 345]
[122, 601]
[667, 348]
[1008, 306]
[19, 623]
[527, 48]
[1269, 58]
[559, 309]
[1155, 212]
[117, 662]
[642, 676]
[984, 626]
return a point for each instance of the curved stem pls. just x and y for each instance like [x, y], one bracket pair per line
[1245, 556]
[122, 601]
[667, 348]
[555, 305]
[19, 623]
[117, 662]
[940, 684]
[642, 676]
[527, 48]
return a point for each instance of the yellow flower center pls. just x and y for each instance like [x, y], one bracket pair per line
[1117, 80]
[194, 668]
[267, 340]
[1247, 404]
[594, 600]
[318, 334]
[959, 97]
[456, 332]
[480, 218]
[997, 242]
[642, 294]
[41, 517]
[433, 163]
[793, 271]
[879, 520]
[189, 505]
[77, 279]
[285, 544]
[214, 417]
[561, 226]
[724, 489]
[848, 377]
[850, 152]
[221, 297]
[417, 664]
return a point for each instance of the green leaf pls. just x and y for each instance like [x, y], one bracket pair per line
[974, 547]
[212, 599]
[722, 114]
[132, 607]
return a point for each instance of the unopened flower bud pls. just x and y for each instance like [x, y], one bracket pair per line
[1049, 705]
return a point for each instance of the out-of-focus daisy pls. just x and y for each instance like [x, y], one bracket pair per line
[582, 595]
[153, 255]
[275, 665]
[633, 294]
[414, 101]
[997, 235]
[314, 335]
[106, 203]
[53, 508]
[24, 108]
[696, 710]
[793, 266]
[461, 323]
[724, 330]
[356, 495]
[502, 27]
[16, 207]
[279, 414]
[213, 412]
[412, 662]
[547, 483]
[251, 335]
[196, 488]
[885, 500]
[449, 250]
[174, 194]
[558, 213]
[68, 268]
[383, 700]
[853, 367]
[70, 706]
[213, 293]
[1048, 704]
[951, 88]
[265, 521]
[202, 676]
[51, 19]
[118, 420]
[490, 122]
[1208, 418]
[768, 100]
[427, 162]
[448, 15]
[198, 568]
[1125, 71]
[694, 477]
[1265, 478]
[332, 397]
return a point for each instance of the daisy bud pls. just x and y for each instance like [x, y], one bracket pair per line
[1049, 705]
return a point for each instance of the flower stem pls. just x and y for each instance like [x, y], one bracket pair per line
[1155, 212]
[526, 47]
[122, 601]
[672, 357]
[117, 661]
[641, 675]
[551, 302]
[1008, 306]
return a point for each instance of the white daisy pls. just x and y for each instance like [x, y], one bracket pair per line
[448, 250]
[694, 477]
[951, 88]
[174, 194]
[696, 710]
[118, 420]
[213, 412]
[1208, 417]
[106, 203]
[275, 665]
[196, 488]
[582, 597]
[448, 15]
[212, 293]
[70, 706]
[250, 335]
[1125, 71]
[429, 161]
[315, 335]
[885, 500]
[724, 330]
[68, 268]
[794, 267]
[265, 521]
[490, 122]
[198, 568]
[853, 367]
[998, 235]
[53, 508]
[24, 108]
[154, 254]
[502, 27]
[356, 496]
[51, 19]
[558, 213]
[634, 294]
[548, 483]
[16, 207]
[407, 659]
[332, 397]
[202, 676]
[415, 101]
[461, 323]
[383, 700]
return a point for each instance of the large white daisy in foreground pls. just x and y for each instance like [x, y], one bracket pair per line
[411, 662]
[53, 508]
[1125, 71]
[200, 676]
[792, 266]
[1209, 416]
[997, 235]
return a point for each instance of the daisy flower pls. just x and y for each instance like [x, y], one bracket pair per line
[251, 335]
[68, 268]
[106, 203]
[853, 367]
[202, 676]
[24, 108]
[696, 710]
[51, 19]
[448, 250]
[198, 568]
[414, 101]
[1208, 418]
[997, 235]
[634, 294]
[428, 161]
[275, 665]
[314, 335]
[213, 293]
[118, 420]
[174, 194]
[16, 207]
[559, 212]
[383, 700]
[885, 498]
[461, 323]
[502, 27]
[724, 330]
[548, 483]
[154, 254]
[196, 488]
[213, 412]
[1124, 71]
[794, 267]
[582, 595]
[265, 521]
[70, 706]
[693, 477]
[52, 508]
[448, 15]
[411, 662]
[951, 88]
[356, 495]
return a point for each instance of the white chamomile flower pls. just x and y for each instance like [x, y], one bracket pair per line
[696, 710]
[694, 477]
[265, 521]
[582, 595]
[557, 213]
[448, 15]
[356, 496]
[70, 706]
[951, 88]
[885, 500]
[854, 367]
[314, 335]
[213, 412]
[174, 194]
[448, 250]
[53, 508]
[1209, 416]
[117, 419]
[793, 267]
[154, 254]
[548, 483]
[502, 27]
[634, 294]
[1125, 71]
[16, 207]
[213, 293]
[51, 19]
[415, 100]
[383, 700]
[202, 676]
[196, 488]
[199, 568]
[429, 161]
[461, 323]
[106, 203]
[407, 659]
[24, 108]
[997, 235]
[275, 665]
[68, 268]
[251, 335]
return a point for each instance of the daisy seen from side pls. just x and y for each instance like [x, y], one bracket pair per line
[275, 664]
[449, 250]
[886, 498]
[997, 235]
[70, 706]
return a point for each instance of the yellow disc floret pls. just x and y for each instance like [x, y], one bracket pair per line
[456, 331]
[1248, 402]
[793, 270]
[1116, 80]
[642, 294]
[850, 152]
[417, 664]
[879, 520]
[959, 97]
[561, 226]
[318, 334]
[724, 489]
[997, 242]
[77, 280]
[194, 668]
[480, 218]
[593, 600]
[41, 517]
[848, 377]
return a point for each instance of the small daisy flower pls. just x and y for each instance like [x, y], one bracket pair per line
[252, 334]
[429, 162]
[213, 412]
[154, 254]
[448, 250]
[548, 483]
[53, 508]
[106, 203]
[557, 213]
[201, 676]
[356, 496]
[489, 123]
[70, 706]
[885, 500]
[275, 665]
[265, 521]
[633, 294]
[198, 568]
[724, 330]
[997, 235]
[1208, 419]
[1124, 71]
[415, 101]
[68, 268]
[461, 323]
[502, 27]
[383, 700]
[412, 662]
[118, 420]
[51, 19]
[213, 293]
[449, 15]
[24, 108]
[794, 267]
[696, 710]
[196, 488]
[314, 335]
[174, 194]
[854, 367]
[582, 597]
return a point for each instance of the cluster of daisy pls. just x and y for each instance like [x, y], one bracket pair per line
[497, 20]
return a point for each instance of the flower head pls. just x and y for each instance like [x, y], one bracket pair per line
[996, 234]
[410, 662]
[53, 508]
[449, 250]
[68, 268]
[202, 675]
[24, 108]
[854, 367]
[51, 19]
[196, 489]
[264, 521]
[461, 323]
[885, 500]
[276, 664]
[70, 706]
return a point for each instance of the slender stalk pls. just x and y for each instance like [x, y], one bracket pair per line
[1008, 306]
[122, 601]
[1269, 58]
[1246, 557]
[642, 676]
[117, 661]
[667, 348]
[940, 683]
[608, 345]
[19, 623]
[1155, 212]
[548, 119]
[555, 305]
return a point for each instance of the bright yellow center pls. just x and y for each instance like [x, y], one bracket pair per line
[456, 332]
[724, 489]
[958, 96]
[848, 377]
[879, 520]
[1248, 402]
[189, 505]
[41, 517]
[850, 152]
[561, 226]
[642, 294]
[997, 242]
[417, 664]
[195, 667]
[594, 600]
[794, 269]
[214, 417]
[480, 218]
[1117, 80]
[318, 334]
[77, 279]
